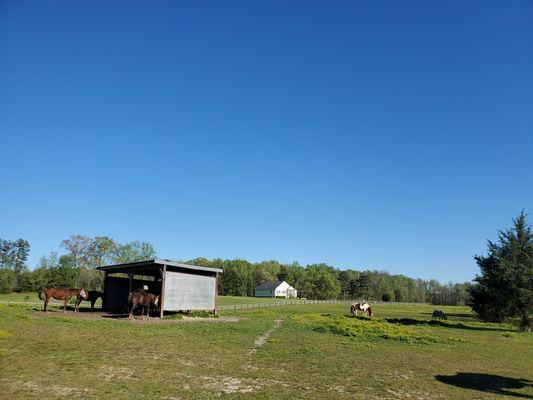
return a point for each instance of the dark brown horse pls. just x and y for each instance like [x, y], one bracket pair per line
[141, 298]
[92, 296]
[62, 294]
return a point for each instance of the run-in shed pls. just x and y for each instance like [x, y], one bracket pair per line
[180, 286]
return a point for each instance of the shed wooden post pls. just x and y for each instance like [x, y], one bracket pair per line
[216, 294]
[162, 299]
[104, 305]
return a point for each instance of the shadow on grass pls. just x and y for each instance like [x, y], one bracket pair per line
[445, 324]
[56, 309]
[494, 384]
[457, 315]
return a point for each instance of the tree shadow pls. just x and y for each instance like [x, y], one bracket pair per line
[457, 315]
[495, 384]
[444, 324]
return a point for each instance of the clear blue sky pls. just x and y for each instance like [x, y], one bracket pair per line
[370, 134]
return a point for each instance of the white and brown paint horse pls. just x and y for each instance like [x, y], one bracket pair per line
[62, 294]
[364, 307]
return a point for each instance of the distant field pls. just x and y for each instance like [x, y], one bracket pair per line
[226, 300]
[301, 352]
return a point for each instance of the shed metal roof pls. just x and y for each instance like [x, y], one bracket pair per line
[269, 285]
[148, 265]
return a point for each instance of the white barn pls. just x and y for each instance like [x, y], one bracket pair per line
[275, 289]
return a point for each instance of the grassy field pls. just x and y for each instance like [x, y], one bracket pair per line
[222, 300]
[304, 351]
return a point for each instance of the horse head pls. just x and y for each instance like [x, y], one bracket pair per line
[156, 301]
[84, 294]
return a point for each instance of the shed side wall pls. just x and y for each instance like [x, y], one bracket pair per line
[189, 292]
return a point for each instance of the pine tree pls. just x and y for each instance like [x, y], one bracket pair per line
[504, 289]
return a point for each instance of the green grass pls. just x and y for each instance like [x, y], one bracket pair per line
[31, 296]
[317, 352]
[234, 300]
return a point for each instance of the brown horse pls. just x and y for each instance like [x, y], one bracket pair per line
[141, 298]
[62, 294]
[92, 296]
[364, 307]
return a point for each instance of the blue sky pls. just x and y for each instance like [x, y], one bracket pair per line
[368, 134]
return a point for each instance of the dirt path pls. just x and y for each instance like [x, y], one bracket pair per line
[261, 340]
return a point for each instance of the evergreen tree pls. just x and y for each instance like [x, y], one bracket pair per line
[504, 289]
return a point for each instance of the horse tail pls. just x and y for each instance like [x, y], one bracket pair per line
[40, 292]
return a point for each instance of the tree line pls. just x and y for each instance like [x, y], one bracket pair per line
[322, 281]
[76, 268]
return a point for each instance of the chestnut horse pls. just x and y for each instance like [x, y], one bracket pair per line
[141, 298]
[92, 296]
[364, 307]
[62, 294]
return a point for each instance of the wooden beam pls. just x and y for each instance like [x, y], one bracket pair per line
[216, 293]
[162, 298]
[104, 305]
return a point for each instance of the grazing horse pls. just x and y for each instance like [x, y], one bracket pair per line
[364, 307]
[141, 298]
[92, 296]
[62, 294]
[439, 314]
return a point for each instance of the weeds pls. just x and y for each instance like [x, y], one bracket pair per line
[369, 329]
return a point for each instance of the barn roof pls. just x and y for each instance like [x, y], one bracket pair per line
[269, 285]
[142, 267]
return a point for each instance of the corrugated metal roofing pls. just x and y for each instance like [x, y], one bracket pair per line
[269, 285]
[151, 263]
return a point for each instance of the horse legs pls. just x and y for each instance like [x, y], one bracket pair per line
[92, 304]
[148, 312]
[46, 301]
[142, 313]
[65, 306]
[78, 301]
[132, 306]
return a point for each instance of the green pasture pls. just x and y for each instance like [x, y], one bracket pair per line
[312, 352]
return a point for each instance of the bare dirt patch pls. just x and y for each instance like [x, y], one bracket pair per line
[96, 315]
[231, 384]
[110, 373]
[56, 390]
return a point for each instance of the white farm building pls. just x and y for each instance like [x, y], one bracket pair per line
[275, 289]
